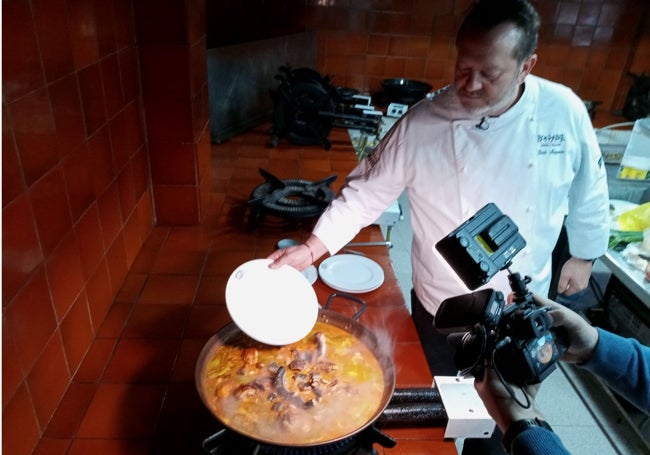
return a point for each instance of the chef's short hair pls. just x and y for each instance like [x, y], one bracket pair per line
[487, 14]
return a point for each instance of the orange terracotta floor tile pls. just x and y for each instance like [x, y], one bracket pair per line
[120, 411]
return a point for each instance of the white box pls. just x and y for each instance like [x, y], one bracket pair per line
[467, 415]
[635, 164]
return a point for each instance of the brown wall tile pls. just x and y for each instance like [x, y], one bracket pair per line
[21, 63]
[73, 149]
[590, 30]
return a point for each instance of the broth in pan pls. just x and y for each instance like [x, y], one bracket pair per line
[321, 388]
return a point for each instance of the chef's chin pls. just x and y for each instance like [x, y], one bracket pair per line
[475, 107]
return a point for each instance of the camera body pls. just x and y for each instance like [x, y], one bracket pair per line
[517, 339]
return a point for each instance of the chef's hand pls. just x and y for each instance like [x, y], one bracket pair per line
[574, 276]
[300, 256]
[501, 406]
[580, 334]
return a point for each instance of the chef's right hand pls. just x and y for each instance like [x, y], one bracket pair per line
[300, 256]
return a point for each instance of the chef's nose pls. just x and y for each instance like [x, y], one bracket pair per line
[474, 82]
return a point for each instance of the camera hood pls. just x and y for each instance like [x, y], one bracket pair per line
[462, 312]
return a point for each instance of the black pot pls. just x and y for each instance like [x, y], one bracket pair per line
[404, 91]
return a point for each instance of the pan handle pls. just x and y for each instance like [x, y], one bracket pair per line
[208, 444]
[351, 297]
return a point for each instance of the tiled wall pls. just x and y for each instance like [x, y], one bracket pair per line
[241, 78]
[172, 50]
[76, 202]
[588, 45]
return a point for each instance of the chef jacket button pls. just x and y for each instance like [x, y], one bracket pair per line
[529, 209]
[531, 164]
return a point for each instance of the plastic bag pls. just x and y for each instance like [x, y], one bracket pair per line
[636, 219]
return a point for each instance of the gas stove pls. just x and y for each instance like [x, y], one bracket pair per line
[410, 407]
[289, 198]
[228, 442]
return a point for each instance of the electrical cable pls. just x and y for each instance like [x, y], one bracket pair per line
[511, 392]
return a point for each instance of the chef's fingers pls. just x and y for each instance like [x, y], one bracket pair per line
[564, 285]
[298, 257]
[276, 255]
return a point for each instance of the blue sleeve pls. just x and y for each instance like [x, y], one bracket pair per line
[624, 365]
[537, 441]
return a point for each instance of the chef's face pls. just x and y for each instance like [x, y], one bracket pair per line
[487, 75]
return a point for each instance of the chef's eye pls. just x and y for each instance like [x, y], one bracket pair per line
[490, 76]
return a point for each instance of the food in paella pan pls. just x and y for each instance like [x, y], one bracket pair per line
[324, 386]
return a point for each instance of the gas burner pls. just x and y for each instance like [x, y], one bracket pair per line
[289, 198]
[228, 442]
[410, 407]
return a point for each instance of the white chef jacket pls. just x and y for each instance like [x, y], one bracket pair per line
[538, 162]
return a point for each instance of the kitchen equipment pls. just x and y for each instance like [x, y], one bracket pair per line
[326, 316]
[635, 164]
[613, 139]
[286, 243]
[288, 198]
[351, 273]
[591, 107]
[411, 407]
[272, 306]
[419, 406]
[404, 91]
[306, 106]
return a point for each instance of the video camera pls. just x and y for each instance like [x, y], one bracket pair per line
[517, 339]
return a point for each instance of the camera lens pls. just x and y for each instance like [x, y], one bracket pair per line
[470, 347]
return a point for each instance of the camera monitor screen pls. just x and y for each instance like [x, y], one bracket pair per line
[481, 246]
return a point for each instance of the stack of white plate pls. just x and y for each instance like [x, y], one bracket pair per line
[351, 273]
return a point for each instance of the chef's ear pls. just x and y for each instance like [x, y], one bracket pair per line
[527, 66]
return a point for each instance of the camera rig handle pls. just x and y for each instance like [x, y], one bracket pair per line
[518, 286]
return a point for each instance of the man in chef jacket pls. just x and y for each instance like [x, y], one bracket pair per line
[497, 134]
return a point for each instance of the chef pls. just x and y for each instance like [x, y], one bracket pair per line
[497, 134]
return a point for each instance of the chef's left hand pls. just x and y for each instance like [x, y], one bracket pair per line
[574, 276]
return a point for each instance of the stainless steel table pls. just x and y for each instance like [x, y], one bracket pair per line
[632, 278]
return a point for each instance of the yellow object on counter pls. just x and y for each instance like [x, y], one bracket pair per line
[636, 219]
[631, 173]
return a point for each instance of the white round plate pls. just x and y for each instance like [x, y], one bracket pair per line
[272, 306]
[311, 273]
[351, 273]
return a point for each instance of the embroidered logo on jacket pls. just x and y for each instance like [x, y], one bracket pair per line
[551, 144]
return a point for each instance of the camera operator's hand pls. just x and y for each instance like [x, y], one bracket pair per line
[581, 335]
[503, 408]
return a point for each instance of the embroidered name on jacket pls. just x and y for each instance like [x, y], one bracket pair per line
[551, 144]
